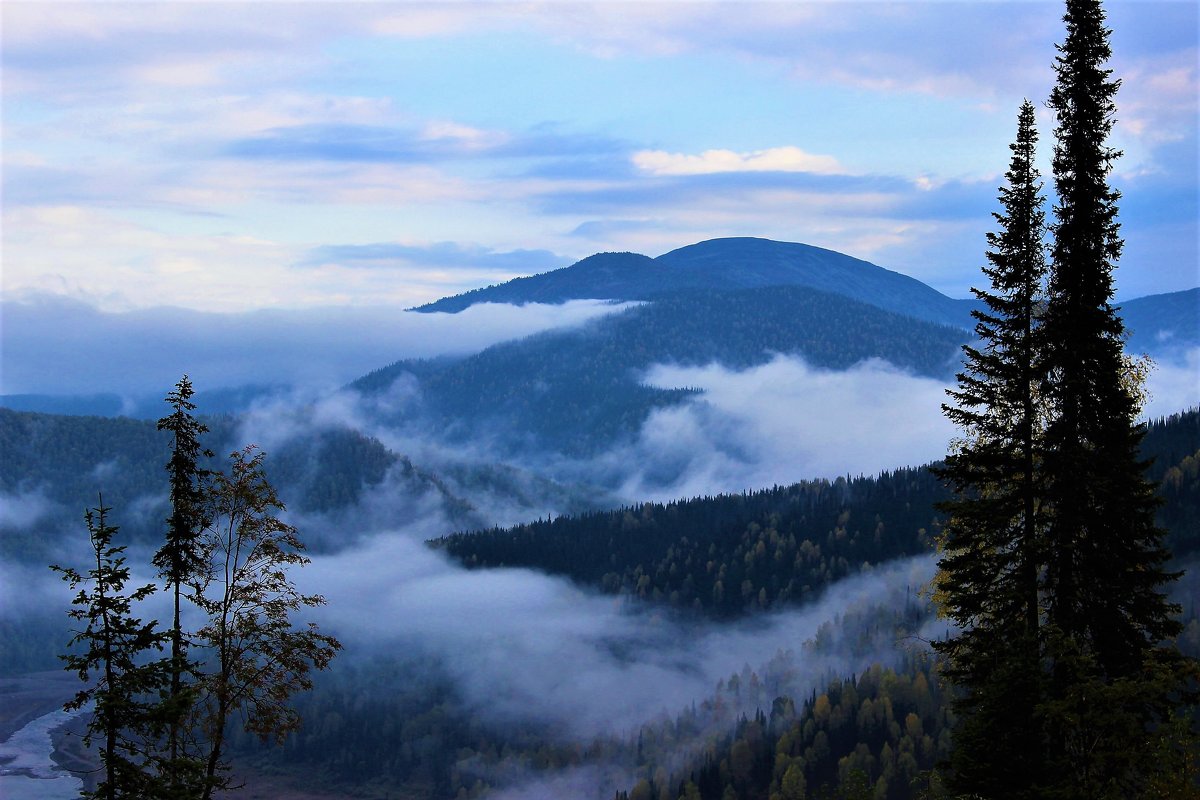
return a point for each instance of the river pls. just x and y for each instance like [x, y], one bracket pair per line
[26, 769]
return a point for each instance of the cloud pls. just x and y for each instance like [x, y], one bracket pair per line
[21, 511]
[785, 421]
[1173, 384]
[57, 346]
[222, 149]
[777, 424]
[775, 159]
[436, 141]
[440, 254]
[522, 646]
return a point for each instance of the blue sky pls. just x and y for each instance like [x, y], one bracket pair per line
[228, 157]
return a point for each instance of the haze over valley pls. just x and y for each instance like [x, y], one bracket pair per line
[599, 401]
[595, 403]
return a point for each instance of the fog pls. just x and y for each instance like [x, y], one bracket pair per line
[55, 345]
[780, 423]
[524, 646]
[1173, 384]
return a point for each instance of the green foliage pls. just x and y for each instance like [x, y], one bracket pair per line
[181, 561]
[876, 736]
[386, 727]
[1054, 568]
[164, 720]
[991, 543]
[727, 555]
[579, 391]
[257, 658]
[114, 654]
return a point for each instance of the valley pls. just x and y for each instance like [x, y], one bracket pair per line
[524, 619]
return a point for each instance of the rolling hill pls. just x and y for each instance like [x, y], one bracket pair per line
[723, 264]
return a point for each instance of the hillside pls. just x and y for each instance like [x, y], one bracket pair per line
[1163, 324]
[729, 555]
[580, 390]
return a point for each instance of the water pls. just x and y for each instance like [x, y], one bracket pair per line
[26, 770]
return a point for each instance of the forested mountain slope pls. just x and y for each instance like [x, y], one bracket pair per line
[63, 463]
[732, 554]
[579, 390]
[881, 730]
[1163, 324]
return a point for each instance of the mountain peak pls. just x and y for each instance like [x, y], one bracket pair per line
[723, 264]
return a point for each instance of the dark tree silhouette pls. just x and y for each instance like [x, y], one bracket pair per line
[117, 649]
[1053, 563]
[164, 720]
[988, 582]
[1106, 611]
[181, 561]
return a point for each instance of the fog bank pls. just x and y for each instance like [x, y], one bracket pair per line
[55, 345]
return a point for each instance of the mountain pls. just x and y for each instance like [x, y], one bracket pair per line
[54, 466]
[675, 553]
[723, 264]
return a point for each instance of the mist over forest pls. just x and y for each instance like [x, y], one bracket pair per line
[834, 460]
[522, 671]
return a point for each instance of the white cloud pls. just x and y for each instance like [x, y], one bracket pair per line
[775, 159]
[51, 345]
[522, 645]
[780, 423]
[1173, 384]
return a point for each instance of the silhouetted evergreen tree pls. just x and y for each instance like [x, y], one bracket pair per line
[988, 582]
[1105, 607]
[1054, 564]
[165, 721]
[181, 561]
[115, 649]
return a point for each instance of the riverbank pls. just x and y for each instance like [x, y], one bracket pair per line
[24, 698]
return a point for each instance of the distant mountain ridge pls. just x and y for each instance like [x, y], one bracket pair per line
[1162, 324]
[723, 264]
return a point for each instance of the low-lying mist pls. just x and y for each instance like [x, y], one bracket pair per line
[524, 646]
[521, 647]
[55, 345]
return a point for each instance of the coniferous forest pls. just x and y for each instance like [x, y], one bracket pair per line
[439, 581]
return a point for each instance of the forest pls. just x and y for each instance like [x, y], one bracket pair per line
[734, 554]
[579, 392]
[1018, 619]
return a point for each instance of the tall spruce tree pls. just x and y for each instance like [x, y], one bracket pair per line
[181, 561]
[1105, 564]
[1052, 563]
[990, 544]
[1106, 611]
[116, 656]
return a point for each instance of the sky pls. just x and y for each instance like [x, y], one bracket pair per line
[234, 157]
